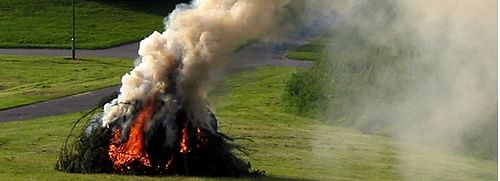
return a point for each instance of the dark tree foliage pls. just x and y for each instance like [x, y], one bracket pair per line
[158, 7]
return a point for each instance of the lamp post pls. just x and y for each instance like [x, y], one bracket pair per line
[73, 38]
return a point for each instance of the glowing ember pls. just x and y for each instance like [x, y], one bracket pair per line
[155, 142]
[184, 139]
[201, 137]
[151, 144]
[123, 155]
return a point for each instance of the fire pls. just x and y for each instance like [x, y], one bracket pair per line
[124, 154]
[152, 144]
[132, 154]
[184, 138]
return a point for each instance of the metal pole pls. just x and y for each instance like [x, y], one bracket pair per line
[73, 38]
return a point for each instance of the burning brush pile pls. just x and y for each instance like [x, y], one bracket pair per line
[155, 140]
[160, 123]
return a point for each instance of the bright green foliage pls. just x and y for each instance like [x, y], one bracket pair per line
[29, 79]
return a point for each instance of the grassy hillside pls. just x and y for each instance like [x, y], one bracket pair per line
[343, 68]
[286, 146]
[27, 79]
[309, 51]
[361, 85]
[99, 23]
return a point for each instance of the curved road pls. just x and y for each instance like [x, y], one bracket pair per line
[255, 55]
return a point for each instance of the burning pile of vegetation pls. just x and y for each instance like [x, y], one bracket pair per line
[150, 146]
[160, 122]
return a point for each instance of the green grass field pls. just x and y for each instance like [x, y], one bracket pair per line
[286, 146]
[30, 79]
[308, 51]
[99, 23]
[341, 41]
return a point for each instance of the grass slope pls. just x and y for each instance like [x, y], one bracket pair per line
[99, 23]
[286, 146]
[27, 79]
[345, 68]
[309, 51]
[355, 82]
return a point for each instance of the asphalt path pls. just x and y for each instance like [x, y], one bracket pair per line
[256, 55]
[124, 51]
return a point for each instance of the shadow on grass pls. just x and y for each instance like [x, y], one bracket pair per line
[156, 7]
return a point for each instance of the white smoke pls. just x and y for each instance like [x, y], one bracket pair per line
[446, 97]
[196, 41]
[454, 72]
[441, 88]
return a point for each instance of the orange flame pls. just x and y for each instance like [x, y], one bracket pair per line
[125, 155]
[184, 138]
[122, 155]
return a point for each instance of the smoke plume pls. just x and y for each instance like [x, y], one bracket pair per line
[441, 90]
[452, 45]
[195, 44]
[453, 74]
[435, 84]
[195, 41]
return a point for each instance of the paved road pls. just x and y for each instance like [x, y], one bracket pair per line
[123, 51]
[256, 55]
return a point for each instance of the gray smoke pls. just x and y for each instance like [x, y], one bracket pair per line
[436, 87]
[197, 40]
[452, 77]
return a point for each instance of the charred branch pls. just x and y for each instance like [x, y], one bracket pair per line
[207, 153]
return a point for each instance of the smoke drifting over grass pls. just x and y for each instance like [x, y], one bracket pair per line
[447, 96]
[421, 71]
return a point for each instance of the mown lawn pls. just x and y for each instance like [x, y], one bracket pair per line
[31, 79]
[340, 41]
[286, 146]
[99, 23]
[308, 51]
